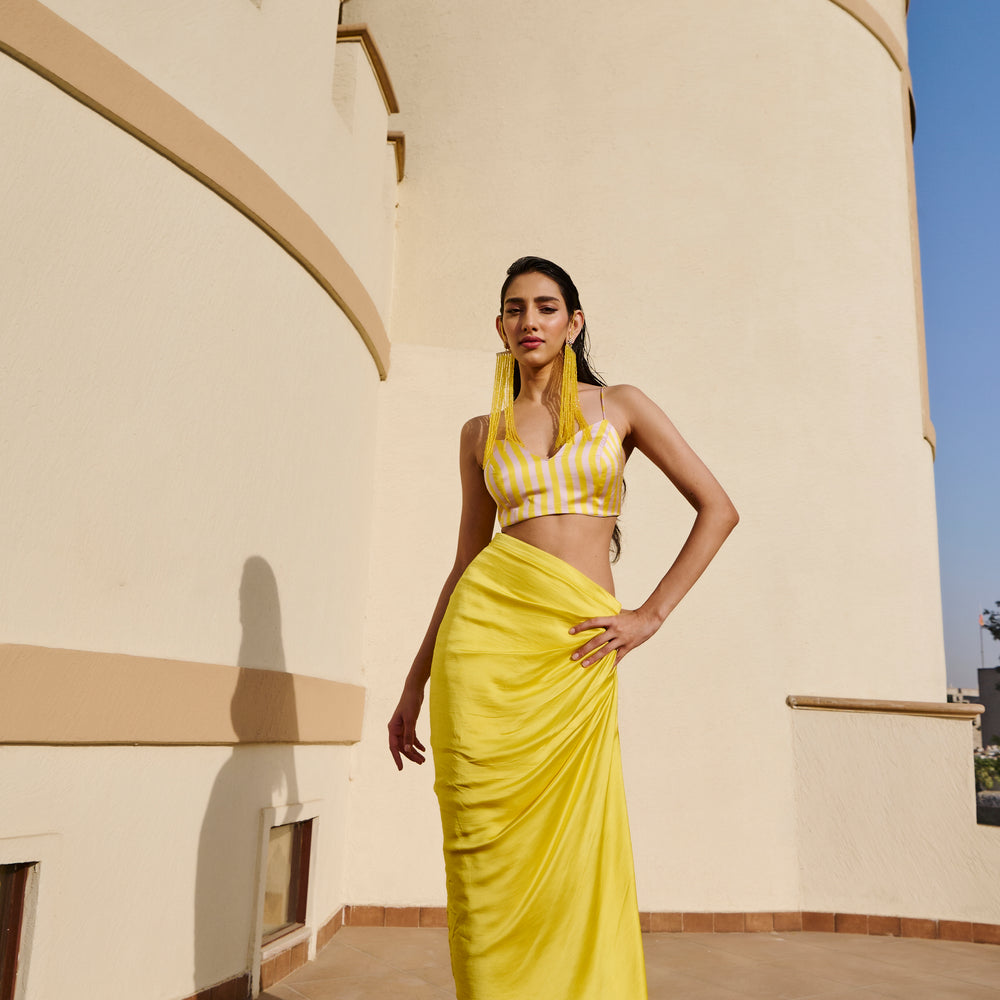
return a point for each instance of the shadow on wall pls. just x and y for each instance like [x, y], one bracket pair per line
[254, 777]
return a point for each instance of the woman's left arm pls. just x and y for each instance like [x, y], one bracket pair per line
[656, 437]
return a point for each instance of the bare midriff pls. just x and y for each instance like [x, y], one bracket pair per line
[581, 540]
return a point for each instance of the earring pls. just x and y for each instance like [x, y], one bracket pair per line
[503, 402]
[570, 413]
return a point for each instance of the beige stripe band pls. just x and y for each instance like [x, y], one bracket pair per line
[79, 698]
[866, 14]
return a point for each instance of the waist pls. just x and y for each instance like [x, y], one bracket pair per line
[582, 541]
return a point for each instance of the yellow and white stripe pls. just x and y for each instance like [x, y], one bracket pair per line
[583, 477]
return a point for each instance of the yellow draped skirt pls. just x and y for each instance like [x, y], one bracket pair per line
[541, 885]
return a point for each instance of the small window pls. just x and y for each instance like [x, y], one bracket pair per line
[13, 887]
[287, 879]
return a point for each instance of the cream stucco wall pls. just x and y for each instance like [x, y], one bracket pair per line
[189, 422]
[727, 183]
[887, 818]
[193, 391]
[264, 76]
[147, 884]
[395, 842]
[205, 465]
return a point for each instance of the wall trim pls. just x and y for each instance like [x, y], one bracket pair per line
[749, 922]
[42, 41]
[72, 697]
[236, 988]
[398, 142]
[909, 113]
[929, 709]
[360, 33]
[863, 12]
[326, 932]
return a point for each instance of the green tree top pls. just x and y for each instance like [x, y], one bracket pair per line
[991, 621]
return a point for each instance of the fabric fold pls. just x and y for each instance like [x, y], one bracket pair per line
[541, 884]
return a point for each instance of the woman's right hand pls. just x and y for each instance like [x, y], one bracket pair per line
[403, 740]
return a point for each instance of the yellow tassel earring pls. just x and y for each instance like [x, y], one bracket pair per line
[570, 413]
[503, 402]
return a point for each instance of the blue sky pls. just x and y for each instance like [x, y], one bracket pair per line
[955, 63]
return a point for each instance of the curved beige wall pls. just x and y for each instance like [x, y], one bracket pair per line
[871, 12]
[147, 874]
[75, 63]
[265, 78]
[191, 392]
[190, 422]
[727, 182]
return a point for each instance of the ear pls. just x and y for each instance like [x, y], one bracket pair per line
[575, 325]
[500, 332]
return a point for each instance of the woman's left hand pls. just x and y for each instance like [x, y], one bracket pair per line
[622, 633]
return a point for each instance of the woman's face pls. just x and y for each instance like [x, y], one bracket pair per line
[535, 322]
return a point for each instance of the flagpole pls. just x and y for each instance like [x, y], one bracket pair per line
[982, 660]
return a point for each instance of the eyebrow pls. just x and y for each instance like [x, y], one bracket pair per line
[538, 298]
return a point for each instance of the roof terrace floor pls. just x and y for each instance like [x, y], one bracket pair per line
[379, 963]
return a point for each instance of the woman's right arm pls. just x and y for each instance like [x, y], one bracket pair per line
[474, 533]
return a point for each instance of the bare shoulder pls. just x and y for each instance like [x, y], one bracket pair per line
[631, 406]
[625, 395]
[475, 426]
[473, 440]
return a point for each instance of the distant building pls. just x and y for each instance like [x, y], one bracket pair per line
[989, 697]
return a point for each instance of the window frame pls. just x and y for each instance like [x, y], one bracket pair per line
[13, 903]
[299, 885]
[311, 870]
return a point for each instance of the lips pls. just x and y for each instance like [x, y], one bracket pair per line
[531, 342]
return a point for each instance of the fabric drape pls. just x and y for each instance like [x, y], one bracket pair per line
[541, 885]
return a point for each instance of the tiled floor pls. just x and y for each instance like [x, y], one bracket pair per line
[380, 963]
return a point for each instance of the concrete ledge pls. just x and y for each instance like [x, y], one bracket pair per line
[931, 709]
[360, 33]
[398, 142]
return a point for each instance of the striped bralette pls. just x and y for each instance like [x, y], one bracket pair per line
[583, 477]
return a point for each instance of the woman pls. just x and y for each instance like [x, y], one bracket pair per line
[523, 648]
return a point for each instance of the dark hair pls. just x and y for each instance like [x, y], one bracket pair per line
[584, 372]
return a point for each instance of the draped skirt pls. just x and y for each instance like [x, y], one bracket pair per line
[541, 885]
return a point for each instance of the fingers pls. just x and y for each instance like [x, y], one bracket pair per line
[403, 742]
[408, 752]
[591, 623]
[610, 639]
[619, 635]
[595, 642]
[395, 731]
[598, 647]
[598, 655]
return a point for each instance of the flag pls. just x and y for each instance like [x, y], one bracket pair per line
[982, 624]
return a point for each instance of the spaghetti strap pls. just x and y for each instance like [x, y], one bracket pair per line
[604, 416]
